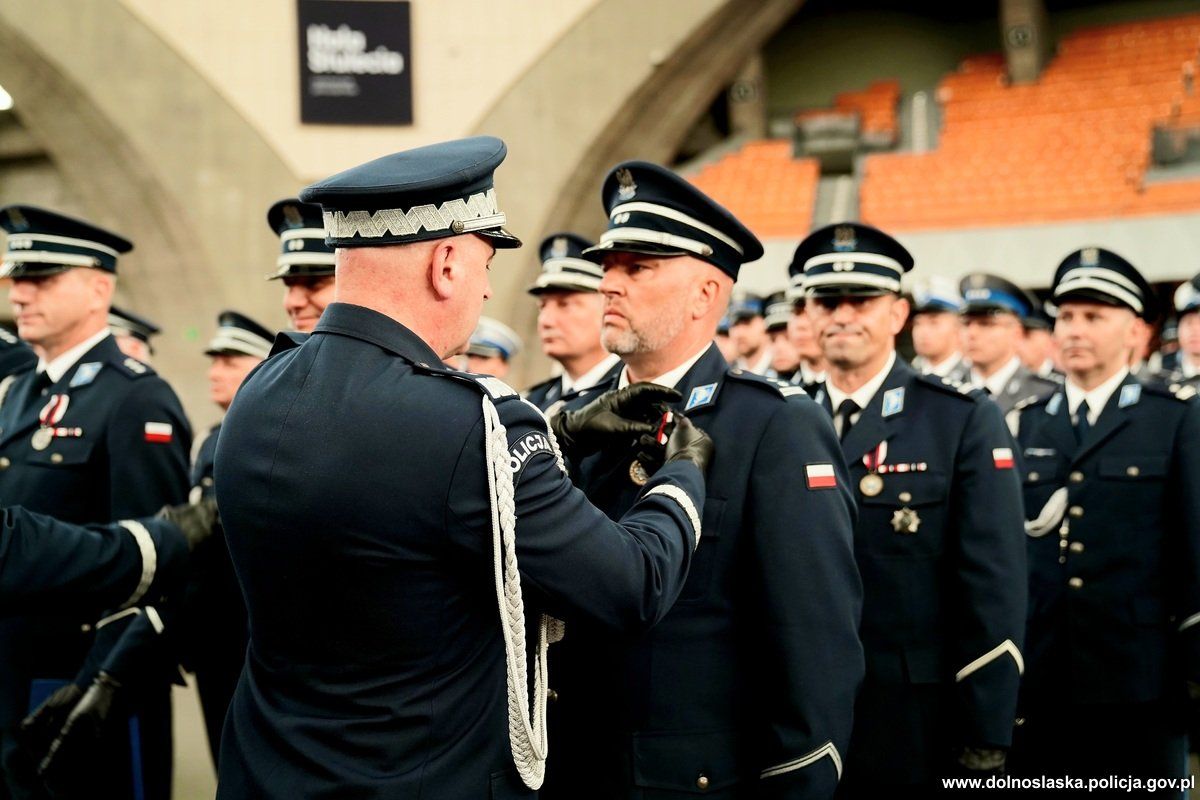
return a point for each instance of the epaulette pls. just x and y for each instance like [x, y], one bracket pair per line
[1026, 402]
[287, 340]
[1183, 392]
[128, 366]
[494, 387]
[950, 387]
[773, 385]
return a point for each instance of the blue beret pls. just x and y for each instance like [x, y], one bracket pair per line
[850, 258]
[493, 338]
[936, 294]
[1101, 276]
[431, 192]
[139, 327]
[987, 294]
[301, 232]
[564, 269]
[42, 242]
[239, 335]
[654, 212]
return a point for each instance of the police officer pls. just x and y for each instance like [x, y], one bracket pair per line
[1187, 310]
[1112, 494]
[784, 358]
[492, 347]
[812, 368]
[939, 539]
[132, 333]
[88, 435]
[387, 516]
[937, 330]
[59, 565]
[569, 311]
[305, 264]
[1037, 348]
[748, 333]
[746, 688]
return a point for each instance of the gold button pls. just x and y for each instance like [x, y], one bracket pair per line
[1075, 583]
[1076, 547]
[1133, 472]
[1076, 477]
[1062, 543]
[551, 695]
[702, 782]
[1076, 511]
[1033, 476]
[4, 462]
[206, 481]
[905, 497]
[56, 458]
[85, 628]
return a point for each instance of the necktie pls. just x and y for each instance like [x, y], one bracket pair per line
[846, 410]
[1082, 425]
[41, 382]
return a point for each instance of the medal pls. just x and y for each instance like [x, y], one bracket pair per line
[42, 438]
[871, 484]
[905, 520]
[638, 474]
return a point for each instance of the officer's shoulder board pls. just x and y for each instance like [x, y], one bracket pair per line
[1182, 392]
[287, 340]
[128, 366]
[946, 386]
[773, 386]
[494, 388]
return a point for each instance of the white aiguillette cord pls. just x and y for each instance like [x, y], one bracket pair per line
[527, 736]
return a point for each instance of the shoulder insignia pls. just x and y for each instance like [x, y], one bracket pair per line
[1025, 402]
[495, 387]
[127, 366]
[8, 338]
[947, 386]
[893, 401]
[1130, 394]
[135, 366]
[287, 340]
[85, 374]
[1185, 393]
[1053, 404]
[701, 396]
[754, 379]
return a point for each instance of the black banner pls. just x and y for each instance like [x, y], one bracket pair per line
[355, 62]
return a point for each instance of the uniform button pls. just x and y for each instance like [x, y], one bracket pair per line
[1133, 472]
[1075, 583]
[905, 497]
[1076, 511]
[1076, 477]
[1033, 476]
[702, 782]
[206, 481]
[85, 628]
[1062, 543]
[1076, 547]
[56, 458]
[4, 462]
[551, 695]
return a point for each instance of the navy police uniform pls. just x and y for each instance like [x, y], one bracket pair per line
[15, 355]
[57, 565]
[125, 323]
[105, 440]
[986, 295]
[746, 688]
[564, 269]
[1114, 555]
[1180, 373]
[939, 295]
[378, 664]
[939, 544]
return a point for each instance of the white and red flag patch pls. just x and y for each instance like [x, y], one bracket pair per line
[820, 476]
[1002, 457]
[159, 432]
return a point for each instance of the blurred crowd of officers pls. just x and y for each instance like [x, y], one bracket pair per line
[794, 565]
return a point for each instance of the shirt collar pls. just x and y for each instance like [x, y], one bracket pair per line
[59, 367]
[1097, 398]
[670, 378]
[758, 368]
[943, 367]
[998, 379]
[809, 375]
[590, 378]
[1188, 367]
[864, 394]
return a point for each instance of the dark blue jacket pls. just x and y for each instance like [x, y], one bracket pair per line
[351, 479]
[944, 585]
[1115, 583]
[746, 689]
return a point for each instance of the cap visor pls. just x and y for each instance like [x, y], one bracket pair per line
[27, 269]
[597, 253]
[500, 238]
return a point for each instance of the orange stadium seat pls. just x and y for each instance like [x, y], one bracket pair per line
[770, 191]
[1073, 145]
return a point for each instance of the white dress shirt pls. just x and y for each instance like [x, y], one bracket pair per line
[671, 377]
[996, 382]
[760, 367]
[862, 396]
[63, 363]
[943, 368]
[1097, 398]
[590, 378]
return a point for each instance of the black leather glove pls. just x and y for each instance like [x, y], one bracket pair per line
[626, 413]
[41, 727]
[689, 443]
[197, 521]
[66, 767]
[982, 760]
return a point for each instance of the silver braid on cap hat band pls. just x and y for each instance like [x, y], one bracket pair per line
[475, 213]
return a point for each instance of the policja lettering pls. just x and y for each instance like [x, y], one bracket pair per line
[526, 449]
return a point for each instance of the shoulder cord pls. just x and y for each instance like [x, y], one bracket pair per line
[5, 385]
[527, 737]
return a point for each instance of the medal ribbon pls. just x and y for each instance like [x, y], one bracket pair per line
[52, 413]
[874, 458]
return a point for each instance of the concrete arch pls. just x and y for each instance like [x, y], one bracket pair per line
[151, 149]
[577, 111]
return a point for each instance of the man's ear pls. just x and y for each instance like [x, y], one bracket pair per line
[443, 269]
[103, 287]
[900, 309]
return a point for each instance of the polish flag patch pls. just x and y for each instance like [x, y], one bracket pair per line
[820, 476]
[1002, 457]
[159, 432]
